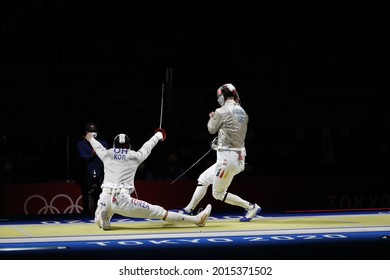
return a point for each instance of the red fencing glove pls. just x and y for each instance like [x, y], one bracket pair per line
[160, 133]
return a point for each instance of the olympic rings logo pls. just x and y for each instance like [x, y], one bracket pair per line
[50, 208]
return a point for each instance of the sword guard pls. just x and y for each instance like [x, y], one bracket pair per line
[164, 134]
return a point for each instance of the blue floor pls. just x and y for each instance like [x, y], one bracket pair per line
[320, 246]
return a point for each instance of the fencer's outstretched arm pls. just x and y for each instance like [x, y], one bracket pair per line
[147, 147]
[96, 145]
[139, 155]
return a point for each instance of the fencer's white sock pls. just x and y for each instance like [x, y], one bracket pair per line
[198, 195]
[238, 201]
[174, 217]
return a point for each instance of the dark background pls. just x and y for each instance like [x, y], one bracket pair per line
[312, 75]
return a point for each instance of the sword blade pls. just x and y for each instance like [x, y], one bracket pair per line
[191, 166]
[162, 104]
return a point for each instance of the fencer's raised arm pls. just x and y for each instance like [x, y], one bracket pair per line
[120, 162]
[96, 145]
[147, 147]
[139, 155]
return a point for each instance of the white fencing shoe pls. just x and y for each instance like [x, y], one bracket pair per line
[251, 213]
[105, 221]
[204, 215]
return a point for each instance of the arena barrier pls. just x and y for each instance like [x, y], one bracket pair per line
[270, 193]
[41, 198]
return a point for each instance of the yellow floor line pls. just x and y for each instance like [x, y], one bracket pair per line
[213, 225]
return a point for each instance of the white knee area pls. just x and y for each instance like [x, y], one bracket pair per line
[219, 195]
[202, 184]
[103, 201]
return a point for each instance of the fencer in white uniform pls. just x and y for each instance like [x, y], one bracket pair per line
[120, 166]
[230, 121]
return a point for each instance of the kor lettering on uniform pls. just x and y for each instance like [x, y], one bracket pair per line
[120, 154]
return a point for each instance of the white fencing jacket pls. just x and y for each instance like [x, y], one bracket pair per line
[120, 165]
[231, 123]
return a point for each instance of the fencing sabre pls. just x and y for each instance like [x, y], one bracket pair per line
[191, 166]
[213, 147]
[162, 103]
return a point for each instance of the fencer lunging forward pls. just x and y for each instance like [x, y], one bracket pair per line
[120, 166]
[230, 121]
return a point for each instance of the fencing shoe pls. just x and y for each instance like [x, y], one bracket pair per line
[105, 221]
[251, 213]
[204, 215]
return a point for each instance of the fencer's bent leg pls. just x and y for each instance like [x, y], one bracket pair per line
[130, 207]
[204, 181]
[226, 168]
[134, 208]
[220, 193]
[103, 204]
[236, 200]
[198, 195]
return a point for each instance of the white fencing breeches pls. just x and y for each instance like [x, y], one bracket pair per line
[119, 201]
[221, 174]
